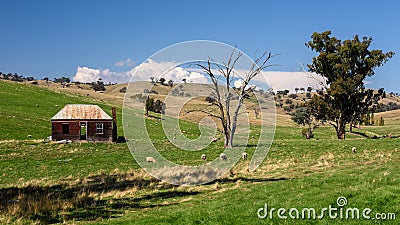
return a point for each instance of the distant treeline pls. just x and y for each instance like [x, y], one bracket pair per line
[63, 81]
[15, 77]
[388, 107]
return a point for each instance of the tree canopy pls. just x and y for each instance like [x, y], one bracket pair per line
[344, 65]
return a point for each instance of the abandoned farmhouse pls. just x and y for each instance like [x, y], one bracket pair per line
[81, 122]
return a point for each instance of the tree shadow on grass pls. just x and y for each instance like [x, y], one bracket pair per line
[246, 179]
[113, 208]
[360, 134]
[81, 202]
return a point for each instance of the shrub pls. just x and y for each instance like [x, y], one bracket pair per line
[210, 99]
[139, 98]
[288, 101]
[287, 109]
[99, 86]
[175, 92]
[122, 90]
[154, 106]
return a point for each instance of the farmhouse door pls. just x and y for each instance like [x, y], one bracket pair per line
[83, 130]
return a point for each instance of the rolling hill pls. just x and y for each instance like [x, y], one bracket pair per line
[26, 109]
[79, 183]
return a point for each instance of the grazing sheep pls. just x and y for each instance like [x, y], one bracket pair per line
[29, 136]
[64, 141]
[203, 157]
[244, 155]
[150, 159]
[223, 156]
[354, 149]
[214, 140]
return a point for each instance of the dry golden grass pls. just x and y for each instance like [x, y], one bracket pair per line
[41, 201]
[111, 95]
[393, 114]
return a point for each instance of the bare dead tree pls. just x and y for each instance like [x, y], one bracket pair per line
[223, 98]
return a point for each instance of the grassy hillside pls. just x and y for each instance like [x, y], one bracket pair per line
[100, 183]
[291, 101]
[26, 109]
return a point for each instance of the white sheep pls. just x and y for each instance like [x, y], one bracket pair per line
[223, 156]
[244, 155]
[354, 149]
[214, 140]
[150, 159]
[203, 157]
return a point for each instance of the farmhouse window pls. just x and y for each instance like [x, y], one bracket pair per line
[99, 128]
[65, 128]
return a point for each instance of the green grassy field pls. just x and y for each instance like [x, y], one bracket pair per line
[26, 109]
[80, 183]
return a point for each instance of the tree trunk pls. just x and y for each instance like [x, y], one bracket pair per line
[351, 127]
[309, 133]
[232, 133]
[234, 123]
[227, 136]
[229, 143]
[341, 131]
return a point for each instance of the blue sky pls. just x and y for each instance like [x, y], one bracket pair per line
[54, 38]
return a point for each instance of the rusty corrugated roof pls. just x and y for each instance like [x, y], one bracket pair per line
[81, 111]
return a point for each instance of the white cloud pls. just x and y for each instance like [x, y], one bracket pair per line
[86, 75]
[119, 64]
[115, 77]
[291, 80]
[196, 77]
[168, 70]
[142, 72]
[179, 73]
[148, 69]
[367, 82]
[126, 62]
[238, 83]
